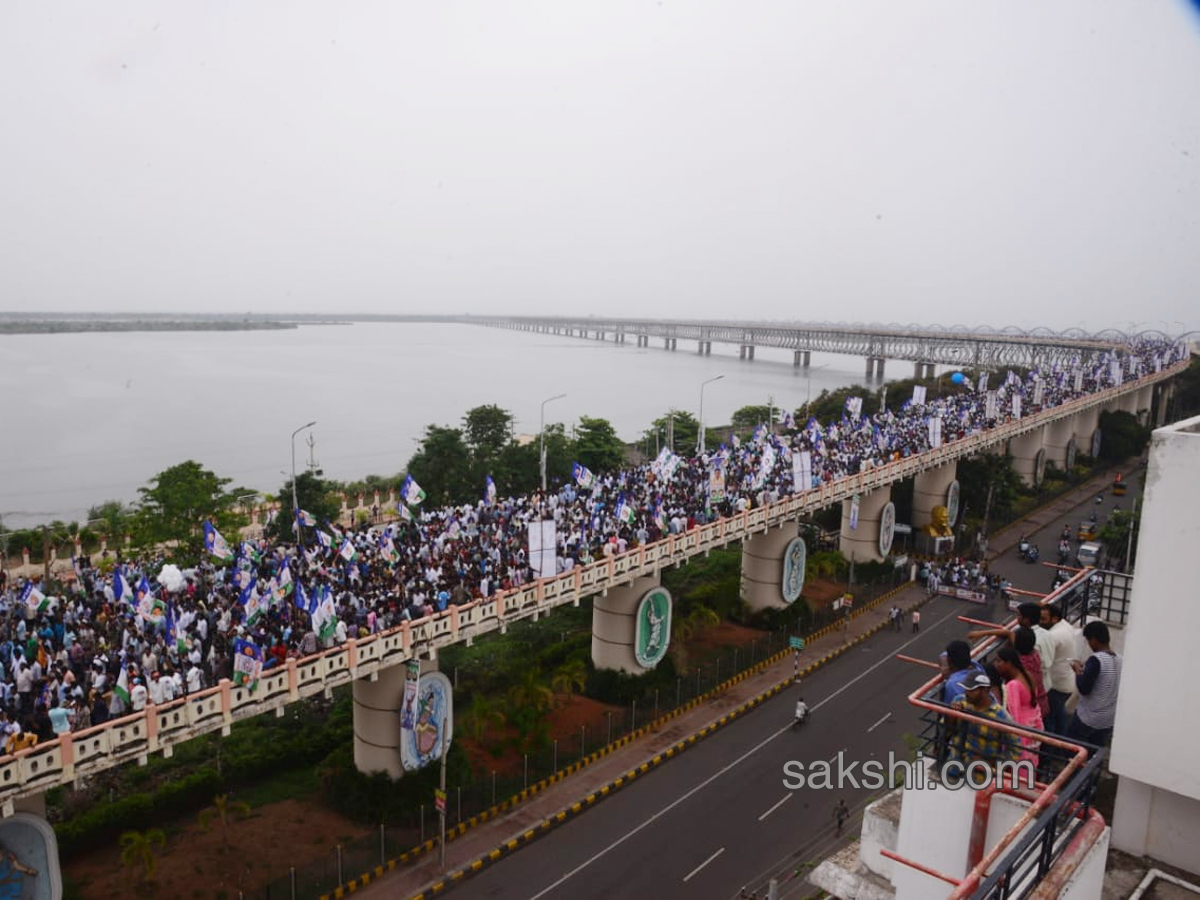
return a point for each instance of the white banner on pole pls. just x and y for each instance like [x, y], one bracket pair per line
[983, 380]
[989, 405]
[543, 546]
[918, 397]
[1037, 392]
[854, 513]
[1078, 380]
[1016, 406]
[802, 470]
[935, 432]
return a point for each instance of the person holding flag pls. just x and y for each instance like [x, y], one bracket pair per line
[583, 476]
[305, 519]
[410, 492]
[489, 491]
[214, 543]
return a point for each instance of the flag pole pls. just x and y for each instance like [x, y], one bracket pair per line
[442, 811]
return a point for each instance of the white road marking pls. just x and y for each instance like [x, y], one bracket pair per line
[786, 798]
[600, 854]
[702, 865]
[880, 722]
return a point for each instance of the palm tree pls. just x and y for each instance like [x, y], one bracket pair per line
[225, 810]
[483, 714]
[571, 676]
[530, 693]
[139, 852]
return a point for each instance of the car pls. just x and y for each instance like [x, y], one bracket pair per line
[1089, 553]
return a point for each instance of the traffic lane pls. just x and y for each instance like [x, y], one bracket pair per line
[654, 826]
[1037, 577]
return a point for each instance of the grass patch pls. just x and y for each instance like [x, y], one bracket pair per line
[286, 785]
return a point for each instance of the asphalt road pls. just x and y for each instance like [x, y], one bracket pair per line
[719, 817]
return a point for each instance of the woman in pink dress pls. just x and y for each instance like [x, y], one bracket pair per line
[1020, 700]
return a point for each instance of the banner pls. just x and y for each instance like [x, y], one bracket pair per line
[408, 706]
[963, 594]
[1037, 392]
[1016, 406]
[854, 513]
[716, 484]
[983, 380]
[918, 396]
[543, 546]
[1079, 381]
[935, 432]
[802, 471]
[989, 405]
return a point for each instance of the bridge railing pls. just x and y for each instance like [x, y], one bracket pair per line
[157, 728]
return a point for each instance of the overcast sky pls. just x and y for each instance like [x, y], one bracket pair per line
[1030, 163]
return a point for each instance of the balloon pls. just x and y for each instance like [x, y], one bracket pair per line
[958, 377]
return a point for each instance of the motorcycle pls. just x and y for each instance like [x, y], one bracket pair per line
[802, 714]
[1031, 554]
[1023, 546]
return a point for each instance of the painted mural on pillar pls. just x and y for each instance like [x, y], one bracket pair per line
[887, 529]
[29, 865]
[795, 558]
[652, 633]
[1096, 438]
[1072, 452]
[1039, 468]
[952, 494]
[432, 724]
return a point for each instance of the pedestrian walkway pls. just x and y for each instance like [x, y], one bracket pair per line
[628, 759]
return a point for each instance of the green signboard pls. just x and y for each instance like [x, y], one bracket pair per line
[796, 643]
[652, 634]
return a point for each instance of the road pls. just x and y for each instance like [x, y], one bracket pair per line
[719, 818]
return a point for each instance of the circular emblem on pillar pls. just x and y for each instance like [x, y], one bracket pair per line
[652, 633]
[795, 557]
[426, 720]
[1096, 436]
[952, 503]
[1072, 452]
[887, 529]
[1039, 468]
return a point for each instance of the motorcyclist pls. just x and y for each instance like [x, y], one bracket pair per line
[801, 711]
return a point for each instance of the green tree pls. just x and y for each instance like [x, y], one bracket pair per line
[224, 811]
[515, 470]
[989, 485]
[1122, 437]
[139, 852]
[177, 502]
[749, 417]
[487, 430]
[597, 445]
[570, 677]
[682, 425]
[442, 466]
[314, 495]
[1115, 536]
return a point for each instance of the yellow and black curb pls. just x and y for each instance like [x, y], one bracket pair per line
[569, 812]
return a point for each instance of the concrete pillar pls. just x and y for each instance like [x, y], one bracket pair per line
[933, 488]
[1145, 403]
[801, 358]
[708, 348]
[742, 352]
[699, 348]
[764, 568]
[870, 367]
[377, 721]
[1029, 457]
[861, 544]
[1059, 435]
[617, 619]
[750, 353]
[879, 361]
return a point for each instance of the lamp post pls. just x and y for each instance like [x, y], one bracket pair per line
[295, 502]
[542, 435]
[700, 434]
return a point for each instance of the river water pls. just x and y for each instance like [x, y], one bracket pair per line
[93, 417]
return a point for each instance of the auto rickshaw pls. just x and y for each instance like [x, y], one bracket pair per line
[1119, 486]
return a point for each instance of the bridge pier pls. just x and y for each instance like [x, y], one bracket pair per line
[1166, 390]
[377, 720]
[764, 568]
[1059, 435]
[875, 367]
[923, 371]
[931, 489]
[1145, 403]
[668, 343]
[868, 542]
[1029, 456]
[801, 358]
[629, 630]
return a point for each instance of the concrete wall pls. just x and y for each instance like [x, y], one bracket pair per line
[1024, 450]
[861, 544]
[762, 567]
[614, 626]
[929, 490]
[1156, 734]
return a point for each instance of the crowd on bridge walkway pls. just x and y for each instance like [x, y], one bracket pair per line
[118, 637]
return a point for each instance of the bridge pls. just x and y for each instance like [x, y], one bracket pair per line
[926, 346]
[375, 665]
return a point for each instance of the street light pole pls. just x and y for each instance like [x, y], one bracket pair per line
[542, 434]
[700, 435]
[295, 502]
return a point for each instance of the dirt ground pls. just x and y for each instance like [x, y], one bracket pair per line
[199, 864]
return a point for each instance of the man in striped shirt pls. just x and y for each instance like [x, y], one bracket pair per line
[1097, 681]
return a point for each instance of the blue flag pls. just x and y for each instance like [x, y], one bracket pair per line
[489, 491]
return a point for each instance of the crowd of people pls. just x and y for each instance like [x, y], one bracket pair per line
[117, 637]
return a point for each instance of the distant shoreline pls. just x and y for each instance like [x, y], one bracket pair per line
[76, 326]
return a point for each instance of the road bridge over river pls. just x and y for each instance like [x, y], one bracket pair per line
[375, 665]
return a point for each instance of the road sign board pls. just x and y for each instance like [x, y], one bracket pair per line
[439, 799]
[796, 643]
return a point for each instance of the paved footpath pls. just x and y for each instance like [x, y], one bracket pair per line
[648, 747]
